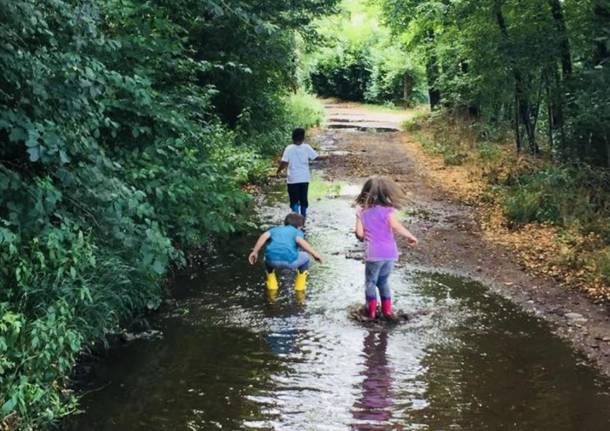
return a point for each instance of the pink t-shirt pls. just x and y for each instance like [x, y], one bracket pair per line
[378, 234]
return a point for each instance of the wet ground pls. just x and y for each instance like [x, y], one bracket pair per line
[233, 358]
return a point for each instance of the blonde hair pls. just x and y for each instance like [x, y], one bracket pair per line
[380, 191]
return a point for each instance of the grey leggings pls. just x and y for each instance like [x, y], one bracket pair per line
[377, 275]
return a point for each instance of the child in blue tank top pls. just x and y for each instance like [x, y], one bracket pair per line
[283, 244]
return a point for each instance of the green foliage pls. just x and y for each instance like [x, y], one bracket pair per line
[342, 73]
[319, 188]
[452, 154]
[489, 152]
[359, 60]
[604, 266]
[305, 110]
[560, 195]
[416, 122]
[128, 128]
[539, 67]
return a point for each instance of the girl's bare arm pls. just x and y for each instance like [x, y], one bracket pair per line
[253, 257]
[401, 230]
[309, 249]
[359, 229]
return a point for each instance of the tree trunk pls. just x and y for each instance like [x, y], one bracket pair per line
[549, 109]
[601, 57]
[556, 108]
[522, 110]
[474, 110]
[407, 87]
[556, 87]
[517, 127]
[601, 14]
[564, 41]
[608, 153]
[432, 73]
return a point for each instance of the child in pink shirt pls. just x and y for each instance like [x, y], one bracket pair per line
[376, 224]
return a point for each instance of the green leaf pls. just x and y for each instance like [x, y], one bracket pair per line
[158, 266]
[63, 157]
[17, 134]
[34, 153]
[8, 406]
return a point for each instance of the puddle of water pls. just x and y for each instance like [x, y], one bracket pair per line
[231, 359]
[320, 188]
[353, 127]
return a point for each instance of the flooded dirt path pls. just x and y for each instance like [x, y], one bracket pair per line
[233, 358]
[449, 229]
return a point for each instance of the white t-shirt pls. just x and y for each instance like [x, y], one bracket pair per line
[298, 157]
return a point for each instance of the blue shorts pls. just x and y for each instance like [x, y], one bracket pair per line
[301, 263]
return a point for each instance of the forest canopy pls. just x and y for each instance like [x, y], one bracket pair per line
[542, 66]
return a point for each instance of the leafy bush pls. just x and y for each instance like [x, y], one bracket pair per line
[305, 110]
[489, 152]
[604, 266]
[453, 158]
[125, 140]
[342, 73]
[559, 195]
[360, 60]
[395, 77]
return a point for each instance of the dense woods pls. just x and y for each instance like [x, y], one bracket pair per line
[518, 90]
[541, 66]
[535, 75]
[127, 128]
[358, 58]
[538, 67]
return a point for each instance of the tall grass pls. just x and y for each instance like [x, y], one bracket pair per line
[305, 110]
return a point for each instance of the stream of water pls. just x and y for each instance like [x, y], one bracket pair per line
[232, 358]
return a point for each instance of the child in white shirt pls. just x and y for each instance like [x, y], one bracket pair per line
[297, 157]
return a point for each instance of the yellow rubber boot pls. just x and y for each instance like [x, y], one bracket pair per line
[300, 296]
[272, 296]
[272, 281]
[300, 281]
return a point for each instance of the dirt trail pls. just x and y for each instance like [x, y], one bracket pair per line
[364, 142]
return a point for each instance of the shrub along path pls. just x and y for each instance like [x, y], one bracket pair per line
[451, 238]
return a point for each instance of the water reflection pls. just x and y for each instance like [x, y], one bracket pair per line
[282, 342]
[374, 405]
[233, 359]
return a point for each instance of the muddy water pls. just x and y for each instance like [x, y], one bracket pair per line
[232, 358]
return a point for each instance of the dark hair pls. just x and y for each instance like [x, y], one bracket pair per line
[380, 191]
[298, 135]
[295, 220]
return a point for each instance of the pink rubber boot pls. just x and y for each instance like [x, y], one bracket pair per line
[372, 308]
[386, 307]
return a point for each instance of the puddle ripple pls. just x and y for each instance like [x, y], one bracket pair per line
[233, 360]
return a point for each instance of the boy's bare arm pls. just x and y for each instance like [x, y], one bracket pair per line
[401, 230]
[253, 257]
[309, 249]
[280, 168]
